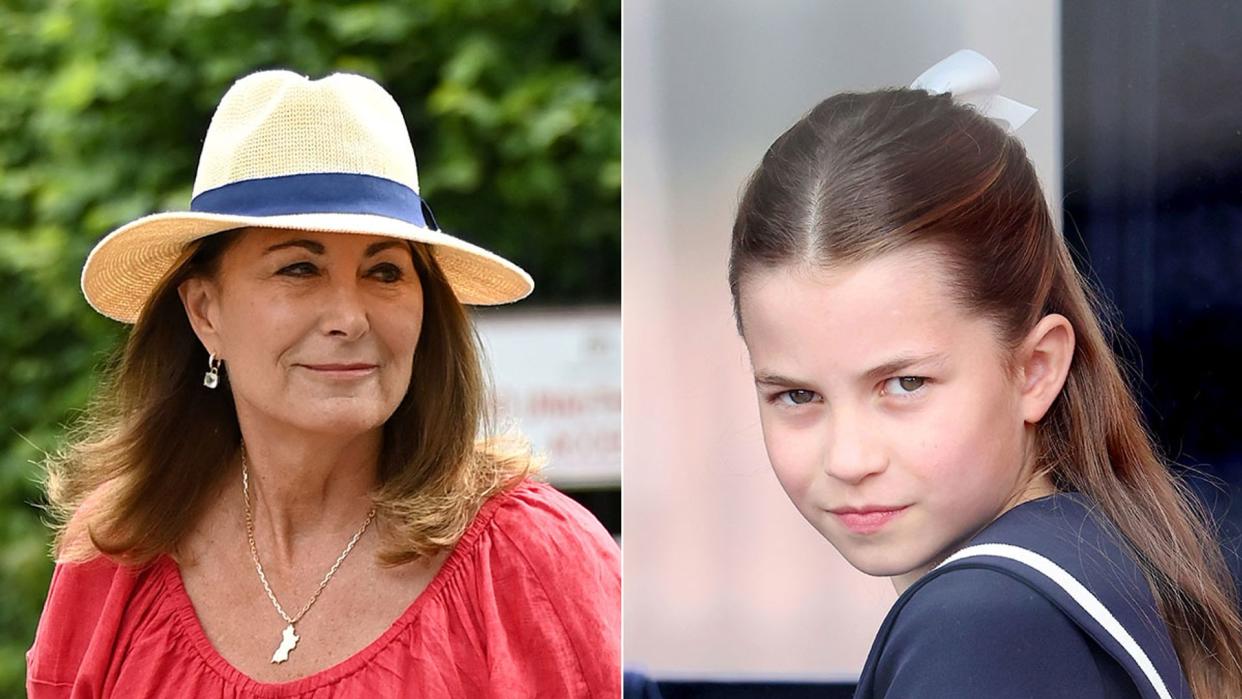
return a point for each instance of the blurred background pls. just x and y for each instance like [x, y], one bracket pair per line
[514, 110]
[1138, 143]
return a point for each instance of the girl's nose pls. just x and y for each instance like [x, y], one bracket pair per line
[854, 452]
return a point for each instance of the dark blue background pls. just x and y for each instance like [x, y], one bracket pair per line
[1153, 199]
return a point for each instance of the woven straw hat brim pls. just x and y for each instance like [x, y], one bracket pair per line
[124, 268]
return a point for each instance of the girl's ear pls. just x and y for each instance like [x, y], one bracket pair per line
[1044, 357]
[201, 299]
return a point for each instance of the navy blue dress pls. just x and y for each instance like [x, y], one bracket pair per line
[1044, 602]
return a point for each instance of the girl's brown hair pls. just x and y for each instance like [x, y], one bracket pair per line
[868, 173]
[154, 443]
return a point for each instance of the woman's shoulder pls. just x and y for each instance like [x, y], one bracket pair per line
[533, 533]
[90, 602]
[74, 541]
[538, 501]
[552, 576]
[545, 529]
[80, 588]
[983, 632]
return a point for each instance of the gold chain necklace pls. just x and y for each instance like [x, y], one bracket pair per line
[289, 639]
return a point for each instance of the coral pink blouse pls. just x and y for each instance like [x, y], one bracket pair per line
[528, 604]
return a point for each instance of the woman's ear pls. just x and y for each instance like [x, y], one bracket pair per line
[201, 299]
[1045, 356]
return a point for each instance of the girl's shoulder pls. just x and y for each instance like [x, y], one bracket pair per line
[1047, 594]
[980, 632]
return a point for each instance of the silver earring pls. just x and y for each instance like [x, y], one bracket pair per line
[212, 378]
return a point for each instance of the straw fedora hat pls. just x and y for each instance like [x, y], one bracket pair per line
[284, 151]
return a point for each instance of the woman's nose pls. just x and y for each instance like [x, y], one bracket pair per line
[344, 312]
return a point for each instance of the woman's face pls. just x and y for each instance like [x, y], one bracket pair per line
[888, 412]
[317, 330]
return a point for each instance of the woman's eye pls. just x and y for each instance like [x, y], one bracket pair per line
[904, 385]
[388, 272]
[798, 396]
[299, 269]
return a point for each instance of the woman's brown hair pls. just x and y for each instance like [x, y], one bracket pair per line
[864, 174]
[154, 443]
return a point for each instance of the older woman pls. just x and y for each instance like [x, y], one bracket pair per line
[281, 491]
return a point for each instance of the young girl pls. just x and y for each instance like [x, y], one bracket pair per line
[939, 401]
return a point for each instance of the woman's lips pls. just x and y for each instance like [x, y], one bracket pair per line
[341, 371]
[867, 520]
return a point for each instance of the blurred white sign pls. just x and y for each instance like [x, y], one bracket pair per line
[557, 375]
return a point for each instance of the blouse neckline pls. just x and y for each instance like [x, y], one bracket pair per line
[191, 629]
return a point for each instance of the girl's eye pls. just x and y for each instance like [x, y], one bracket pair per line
[904, 385]
[299, 269]
[798, 396]
[388, 272]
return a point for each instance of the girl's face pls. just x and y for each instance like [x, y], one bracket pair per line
[889, 413]
[317, 330]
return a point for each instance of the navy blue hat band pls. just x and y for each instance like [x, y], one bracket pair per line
[317, 193]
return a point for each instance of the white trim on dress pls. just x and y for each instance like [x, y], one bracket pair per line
[1084, 597]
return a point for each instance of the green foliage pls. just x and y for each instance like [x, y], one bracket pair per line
[514, 108]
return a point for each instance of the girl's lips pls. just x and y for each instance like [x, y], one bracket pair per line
[867, 520]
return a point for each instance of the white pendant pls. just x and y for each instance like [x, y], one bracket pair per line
[211, 379]
[287, 643]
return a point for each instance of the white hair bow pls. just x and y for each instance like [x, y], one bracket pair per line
[972, 79]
